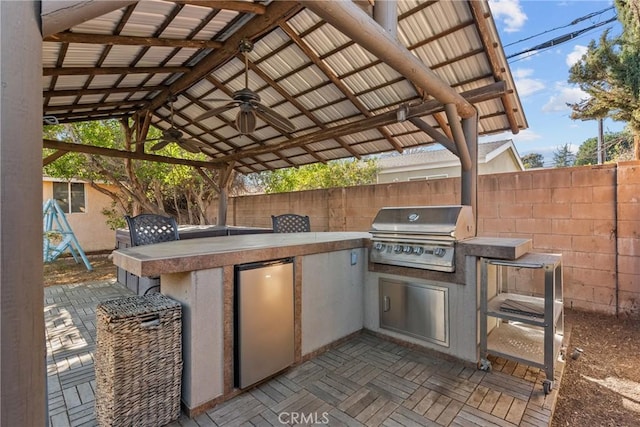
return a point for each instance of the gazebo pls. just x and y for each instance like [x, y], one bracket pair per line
[254, 86]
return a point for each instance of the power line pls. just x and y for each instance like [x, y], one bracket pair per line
[574, 22]
[562, 39]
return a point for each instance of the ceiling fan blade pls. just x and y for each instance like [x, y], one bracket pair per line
[160, 145]
[216, 111]
[189, 145]
[273, 118]
[216, 99]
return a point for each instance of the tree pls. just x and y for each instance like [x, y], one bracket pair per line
[617, 145]
[533, 160]
[338, 173]
[563, 156]
[142, 186]
[609, 72]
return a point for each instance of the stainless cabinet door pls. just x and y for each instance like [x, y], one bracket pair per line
[419, 310]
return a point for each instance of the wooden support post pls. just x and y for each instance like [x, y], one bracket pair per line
[23, 377]
[224, 183]
[469, 178]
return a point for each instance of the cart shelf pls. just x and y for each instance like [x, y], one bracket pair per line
[524, 328]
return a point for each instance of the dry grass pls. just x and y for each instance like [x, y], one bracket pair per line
[65, 270]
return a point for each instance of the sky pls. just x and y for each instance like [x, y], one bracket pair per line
[541, 76]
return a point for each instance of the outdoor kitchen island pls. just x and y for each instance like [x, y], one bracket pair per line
[329, 275]
[336, 293]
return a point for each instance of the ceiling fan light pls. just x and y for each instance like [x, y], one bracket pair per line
[246, 121]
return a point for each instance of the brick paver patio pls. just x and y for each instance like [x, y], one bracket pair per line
[366, 381]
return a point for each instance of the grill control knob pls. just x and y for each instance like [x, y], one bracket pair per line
[439, 252]
[397, 249]
[407, 249]
[379, 246]
[418, 250]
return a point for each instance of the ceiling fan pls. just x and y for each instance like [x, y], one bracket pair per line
[176, 136]
[249, 103]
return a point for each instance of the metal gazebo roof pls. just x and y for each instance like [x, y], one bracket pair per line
[320, 73]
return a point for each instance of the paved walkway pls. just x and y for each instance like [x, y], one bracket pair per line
[365, 381]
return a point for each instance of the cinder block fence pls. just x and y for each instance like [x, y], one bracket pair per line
[589, 214]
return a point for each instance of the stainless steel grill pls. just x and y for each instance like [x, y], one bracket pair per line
[420, 236]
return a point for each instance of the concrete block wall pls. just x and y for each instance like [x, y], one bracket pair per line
[628, 202]
[577, 212]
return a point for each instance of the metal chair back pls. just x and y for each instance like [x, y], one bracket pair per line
[290, 223]
[146, 229]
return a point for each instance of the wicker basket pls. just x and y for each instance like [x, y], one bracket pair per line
[138, 361]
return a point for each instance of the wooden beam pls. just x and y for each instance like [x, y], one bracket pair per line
[99, 71]
[139, 103]
[277, 12]
[490, 47]
[437, 136]
[110, 152]
[473, 96]
[100, 91]
[238, 6]
[111, 40]
[361, 28]
[61, 15]
[53, 157]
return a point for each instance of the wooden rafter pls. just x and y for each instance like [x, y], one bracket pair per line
[53, 157]
[99, 91]
[490, 47]
[111, 40]
[96, 71]
[473, 96]
[140, 103]
[238, 6]
[342, 87]
[110, 152]
[276, 13]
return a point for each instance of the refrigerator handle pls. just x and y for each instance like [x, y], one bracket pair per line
[386, 305]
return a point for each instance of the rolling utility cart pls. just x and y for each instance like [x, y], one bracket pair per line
[522, 328]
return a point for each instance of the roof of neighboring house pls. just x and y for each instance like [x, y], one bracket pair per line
[441, 158]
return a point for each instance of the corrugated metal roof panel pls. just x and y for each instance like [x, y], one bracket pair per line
[428, 29]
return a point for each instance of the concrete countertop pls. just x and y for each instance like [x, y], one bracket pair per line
[214, 252]
[496, 247]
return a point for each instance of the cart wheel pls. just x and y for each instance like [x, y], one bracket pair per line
[485, 365]
[547, 386]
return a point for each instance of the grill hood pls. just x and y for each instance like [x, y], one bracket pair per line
[453, 222]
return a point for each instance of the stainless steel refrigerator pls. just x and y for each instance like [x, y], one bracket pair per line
[264, 304]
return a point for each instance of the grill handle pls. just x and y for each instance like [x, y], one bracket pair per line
[386, 304]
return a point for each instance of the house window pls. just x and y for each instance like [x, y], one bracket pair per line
[70, 196]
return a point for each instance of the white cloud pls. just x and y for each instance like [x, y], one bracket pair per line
[576, 54]
[510, 13]
[564, 94]
[526, 135]
[525, 84]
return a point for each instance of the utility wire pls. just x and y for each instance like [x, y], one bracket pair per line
[562, 39]
[574, 22]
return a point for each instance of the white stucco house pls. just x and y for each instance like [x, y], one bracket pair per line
[493, 157]
[83, 206]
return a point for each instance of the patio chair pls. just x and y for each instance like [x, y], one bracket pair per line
[290, 223]
[146, 229]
